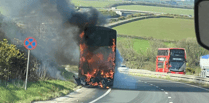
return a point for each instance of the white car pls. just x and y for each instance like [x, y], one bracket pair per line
[123, 69]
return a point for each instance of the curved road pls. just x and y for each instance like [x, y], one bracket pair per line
[146, 90]
[150, 90]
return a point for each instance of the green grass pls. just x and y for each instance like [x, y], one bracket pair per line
[67, 75]
[158, 9]
[92, 3]
[138, 44]
[41, 90]
[159, 28]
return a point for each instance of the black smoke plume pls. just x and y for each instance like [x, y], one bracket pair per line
[55, 24]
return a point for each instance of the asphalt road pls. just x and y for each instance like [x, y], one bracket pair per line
[149, 90]
[143, 90]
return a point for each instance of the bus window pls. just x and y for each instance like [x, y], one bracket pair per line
[162, 52]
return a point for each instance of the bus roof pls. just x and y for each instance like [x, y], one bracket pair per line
[169, 48]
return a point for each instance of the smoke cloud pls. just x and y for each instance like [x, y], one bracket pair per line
[121, 80]
[55, 24]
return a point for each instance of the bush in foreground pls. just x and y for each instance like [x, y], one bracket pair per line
[12, 61]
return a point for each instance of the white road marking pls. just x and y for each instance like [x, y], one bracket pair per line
[166, 92]
[169, 97]
[101, 96]
[170, 102]
[184, 84]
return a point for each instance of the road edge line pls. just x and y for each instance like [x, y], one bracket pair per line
[183, 83]
[109, 90]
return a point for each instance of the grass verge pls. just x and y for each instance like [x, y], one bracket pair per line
[14, 92]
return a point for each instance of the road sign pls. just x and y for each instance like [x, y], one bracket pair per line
[30, 43]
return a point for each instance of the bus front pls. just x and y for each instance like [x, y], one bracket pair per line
[162, 59]
[177, 60]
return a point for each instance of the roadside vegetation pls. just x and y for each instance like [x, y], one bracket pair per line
[138, 43]
[40, 86]
[109, 13]
[14, 91]
[145, 58]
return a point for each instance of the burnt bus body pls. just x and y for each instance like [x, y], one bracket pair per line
[97, 57]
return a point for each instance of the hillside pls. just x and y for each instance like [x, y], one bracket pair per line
[159, 28]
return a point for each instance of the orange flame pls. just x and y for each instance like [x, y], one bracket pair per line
[96, 62]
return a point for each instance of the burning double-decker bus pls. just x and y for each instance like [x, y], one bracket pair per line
[97, 57]
[171, 60]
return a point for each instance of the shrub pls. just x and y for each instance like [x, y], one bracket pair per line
[121, 18]
[109, 13]
[150, 66]
[137, 15]
[131, 58]
[190, 71]
[152, 52]
[129, 16]
[113, 20]
[193, 49]
[12, 62]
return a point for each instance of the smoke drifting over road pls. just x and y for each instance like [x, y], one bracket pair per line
[122, 81]
[54, 23]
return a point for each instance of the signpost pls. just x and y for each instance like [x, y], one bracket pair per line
[30, 44]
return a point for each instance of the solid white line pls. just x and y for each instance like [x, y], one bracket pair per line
[169, 97]
[101, 96]
[170, 102]
[166, 92]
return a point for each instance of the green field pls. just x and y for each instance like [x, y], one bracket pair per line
[92, 3]
[158, 9]
[138, 44]
[159, 28]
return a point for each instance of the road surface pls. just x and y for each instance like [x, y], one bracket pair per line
[146, 90]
